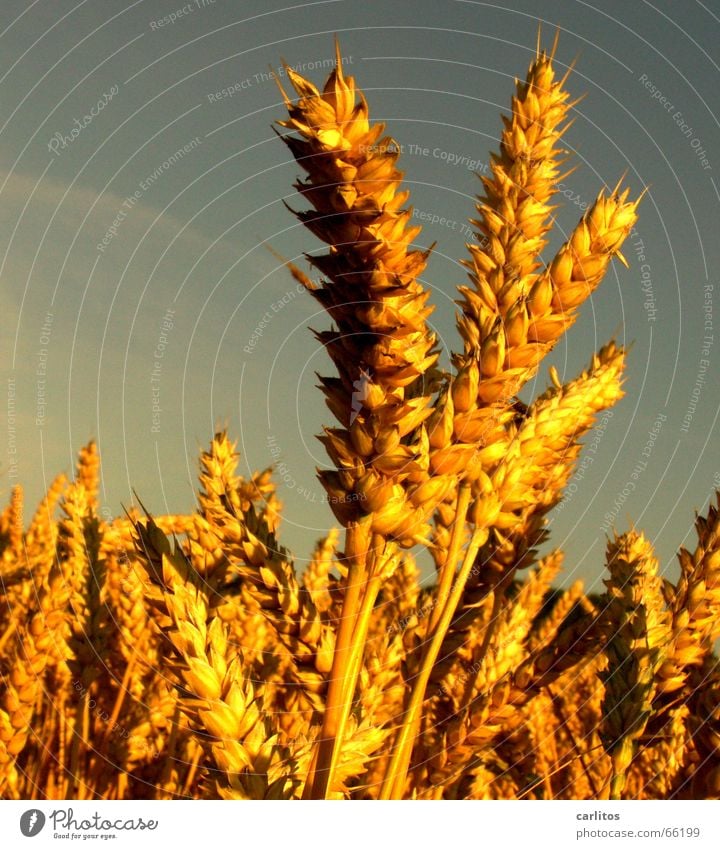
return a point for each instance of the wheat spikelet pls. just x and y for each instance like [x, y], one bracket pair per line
[539, 461]
[496, 644]
[480, 699]
[550, 620]
[695, 602]
[512, 315]
[402, 605]
[40, 645]
[659, 760]
[514, 218]
[383, 488]
[85, 683]
[254, 586]
[41, 537]
[542, 453]
[135, 643]
[317, 579]
[575, 642]
[87, 472]
[20, 577]
[577, 697]
[382, 347]
[639, 634]
[693, 605]
[529, 479]
[12, 522]
[79, 542]
[702, 750]
[495, 778]
[221, 486]
[221, 698]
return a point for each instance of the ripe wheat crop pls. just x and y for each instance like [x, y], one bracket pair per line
[184, 656]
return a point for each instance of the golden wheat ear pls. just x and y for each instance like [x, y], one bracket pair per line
[382, 489]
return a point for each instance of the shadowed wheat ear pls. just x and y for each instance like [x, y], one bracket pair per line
[695, 602]
[694, 605]
[381, 346]
[382, 489]
[639, 633]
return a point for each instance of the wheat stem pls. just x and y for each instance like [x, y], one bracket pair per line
[354, 664]
[394, 782]
[448, 569]
[319, 775]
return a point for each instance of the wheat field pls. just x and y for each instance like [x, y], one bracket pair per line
[184, 656]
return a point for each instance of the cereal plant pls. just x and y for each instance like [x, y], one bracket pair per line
[185, 657]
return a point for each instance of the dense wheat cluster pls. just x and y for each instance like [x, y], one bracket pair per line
[184, 656]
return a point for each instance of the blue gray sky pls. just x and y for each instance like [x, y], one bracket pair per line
[141, 183]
